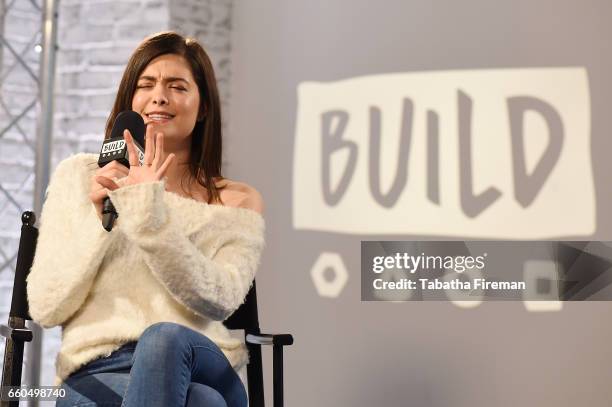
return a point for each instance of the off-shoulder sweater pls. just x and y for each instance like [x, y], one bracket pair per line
[168, 258]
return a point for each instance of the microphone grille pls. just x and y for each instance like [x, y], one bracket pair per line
[132, 121]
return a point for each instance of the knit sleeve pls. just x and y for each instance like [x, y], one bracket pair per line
[70, 248]
[210, 281]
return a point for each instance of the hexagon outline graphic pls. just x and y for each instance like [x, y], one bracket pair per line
[331, 289]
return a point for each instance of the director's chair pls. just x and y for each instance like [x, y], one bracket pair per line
[245, 317]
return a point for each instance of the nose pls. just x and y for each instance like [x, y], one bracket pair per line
[159, 96]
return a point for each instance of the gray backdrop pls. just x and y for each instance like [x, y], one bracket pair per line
[352, 353]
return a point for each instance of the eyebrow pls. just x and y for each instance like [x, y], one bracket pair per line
[168, 79]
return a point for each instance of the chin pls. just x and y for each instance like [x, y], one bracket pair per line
[160, 126]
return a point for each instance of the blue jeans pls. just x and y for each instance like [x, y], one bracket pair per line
[170, 365]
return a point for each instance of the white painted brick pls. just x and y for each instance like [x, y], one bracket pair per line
[111, 11]
[82, 124]
[93, 33]
[136, 32]
[70, 59]
[69, 13]
[88, 79]
[102, 102]
[110, 56]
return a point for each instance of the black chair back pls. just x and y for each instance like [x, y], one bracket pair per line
[15, 331]
[246, 317]
[25, 258]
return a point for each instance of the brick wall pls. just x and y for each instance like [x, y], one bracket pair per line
[211, 23]
[95, 39]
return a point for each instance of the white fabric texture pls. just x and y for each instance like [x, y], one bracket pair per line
[168, 258]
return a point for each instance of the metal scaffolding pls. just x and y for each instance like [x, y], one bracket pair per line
[28, 38]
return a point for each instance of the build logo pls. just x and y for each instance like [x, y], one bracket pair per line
[499, 154]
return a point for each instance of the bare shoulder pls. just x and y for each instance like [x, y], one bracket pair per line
[242, 195]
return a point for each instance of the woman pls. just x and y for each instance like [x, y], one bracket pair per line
[141, 307]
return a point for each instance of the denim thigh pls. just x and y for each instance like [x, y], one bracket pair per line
[101, 382]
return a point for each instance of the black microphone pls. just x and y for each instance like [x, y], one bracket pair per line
[115, 148]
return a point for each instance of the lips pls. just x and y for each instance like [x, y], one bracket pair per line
[159, 117]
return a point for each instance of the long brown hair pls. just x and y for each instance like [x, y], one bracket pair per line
[206, 148]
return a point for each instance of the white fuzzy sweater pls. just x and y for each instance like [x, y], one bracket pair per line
[168, 258]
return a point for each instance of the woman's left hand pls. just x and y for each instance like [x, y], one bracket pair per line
[155, 166]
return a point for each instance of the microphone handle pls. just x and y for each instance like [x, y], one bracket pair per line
[109, 214]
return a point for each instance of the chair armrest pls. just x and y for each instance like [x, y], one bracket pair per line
[270, 339]
[278, 341]
[19, 334]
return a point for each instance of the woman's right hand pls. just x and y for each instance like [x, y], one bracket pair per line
[98, 192]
